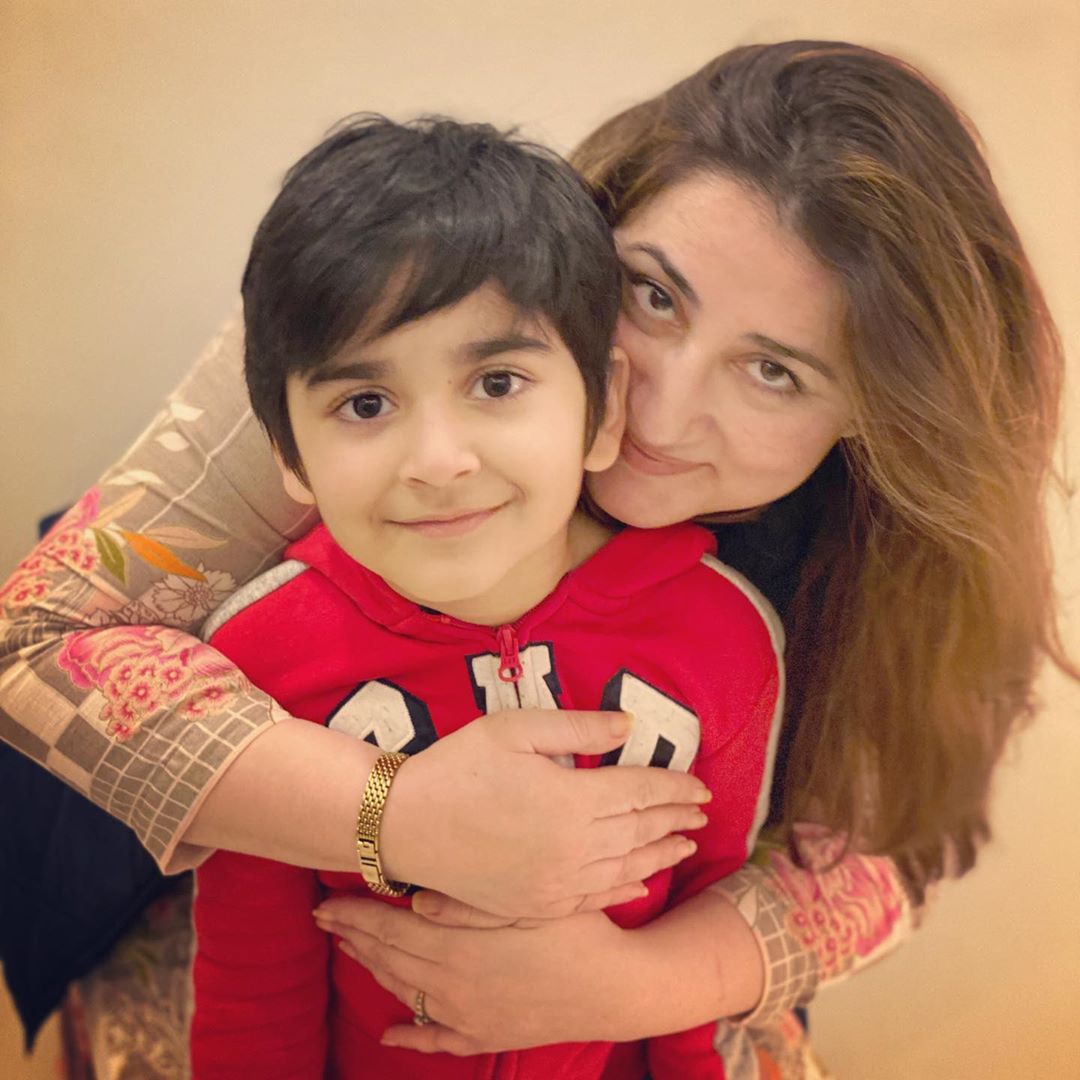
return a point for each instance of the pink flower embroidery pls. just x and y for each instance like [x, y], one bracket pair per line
[841, 914]
[140, 669]
[80, 515]
[68, 543]
[24, 589]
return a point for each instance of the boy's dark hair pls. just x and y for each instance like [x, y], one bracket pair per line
[439, 208]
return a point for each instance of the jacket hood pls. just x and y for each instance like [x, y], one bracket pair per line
[632, 561]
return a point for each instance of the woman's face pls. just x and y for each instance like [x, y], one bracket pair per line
[733, 330]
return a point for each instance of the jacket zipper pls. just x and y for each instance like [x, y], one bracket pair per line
[510, 669]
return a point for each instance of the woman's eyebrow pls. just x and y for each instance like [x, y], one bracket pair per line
[677, 278]
[792, 353]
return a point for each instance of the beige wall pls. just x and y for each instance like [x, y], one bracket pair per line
[140, 140]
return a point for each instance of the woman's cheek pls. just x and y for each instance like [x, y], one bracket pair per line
[792, 447]
[641, 349]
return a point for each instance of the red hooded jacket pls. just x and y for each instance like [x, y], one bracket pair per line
[651, 623]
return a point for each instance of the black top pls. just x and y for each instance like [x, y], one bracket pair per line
[771, 549]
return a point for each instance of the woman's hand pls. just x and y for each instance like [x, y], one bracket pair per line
[491, 986]
[490, 990]
[485, 816]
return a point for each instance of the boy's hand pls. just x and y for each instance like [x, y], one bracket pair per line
[485, 816]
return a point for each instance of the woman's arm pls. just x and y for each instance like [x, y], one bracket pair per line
[817, 923]
[750, 947]
[167, 735]
[538, 838]
[580, 978]
[99, 678]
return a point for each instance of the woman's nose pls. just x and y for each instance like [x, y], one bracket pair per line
[439, 449]
[670, 402]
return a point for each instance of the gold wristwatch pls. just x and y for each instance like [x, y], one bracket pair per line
[368, 821]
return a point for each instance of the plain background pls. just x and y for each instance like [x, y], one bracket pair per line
[141, 140]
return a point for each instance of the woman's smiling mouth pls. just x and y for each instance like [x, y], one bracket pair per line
[651, 462]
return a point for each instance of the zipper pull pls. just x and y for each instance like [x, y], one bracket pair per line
[510, 669]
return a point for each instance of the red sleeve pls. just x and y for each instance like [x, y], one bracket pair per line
[260, 977]
[686, 1055]
[738, 771]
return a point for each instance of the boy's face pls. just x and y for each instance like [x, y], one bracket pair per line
[447, 455]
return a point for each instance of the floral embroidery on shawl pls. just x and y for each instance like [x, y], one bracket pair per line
[140, 669]
[187, 601]
[842, 913]
[68, 546]
[87, 539]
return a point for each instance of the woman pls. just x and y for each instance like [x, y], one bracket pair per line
[827, 310]
[928, 322]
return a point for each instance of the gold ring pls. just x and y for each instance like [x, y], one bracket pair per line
[420, 1016]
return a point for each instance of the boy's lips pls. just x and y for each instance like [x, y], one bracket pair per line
[455, 523]
[653, 462]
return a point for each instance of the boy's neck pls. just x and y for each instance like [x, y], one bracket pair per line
[532, 582]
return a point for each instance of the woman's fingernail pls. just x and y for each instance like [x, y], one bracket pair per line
[389, 1040]
[704, 795]
[621, 723]
[427, 905]
[686, 848]
[348, 950]
[319, 912]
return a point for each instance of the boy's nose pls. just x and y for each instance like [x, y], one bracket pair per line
[438, 452]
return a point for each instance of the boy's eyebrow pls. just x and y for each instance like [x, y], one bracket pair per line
[485, 348]
[677, 278]
[473, 351]
[359, 369]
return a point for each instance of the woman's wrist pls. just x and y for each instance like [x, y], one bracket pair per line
[416, 843]
[369, 825]
[401, 826]
[292, 795]
[700, 962]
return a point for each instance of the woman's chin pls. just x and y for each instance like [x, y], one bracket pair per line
[642, 505]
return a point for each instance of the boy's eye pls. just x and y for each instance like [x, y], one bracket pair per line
[366, 406]
[497, 384]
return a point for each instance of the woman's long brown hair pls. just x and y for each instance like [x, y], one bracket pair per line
[927, 603]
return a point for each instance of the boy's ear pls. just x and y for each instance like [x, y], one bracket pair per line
[295, 488]
[605, 446]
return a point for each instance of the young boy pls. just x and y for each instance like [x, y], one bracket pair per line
[429, 310]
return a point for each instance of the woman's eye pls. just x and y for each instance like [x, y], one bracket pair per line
[497, 384]
[653, 299]
[774, 376]
[368, 406]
